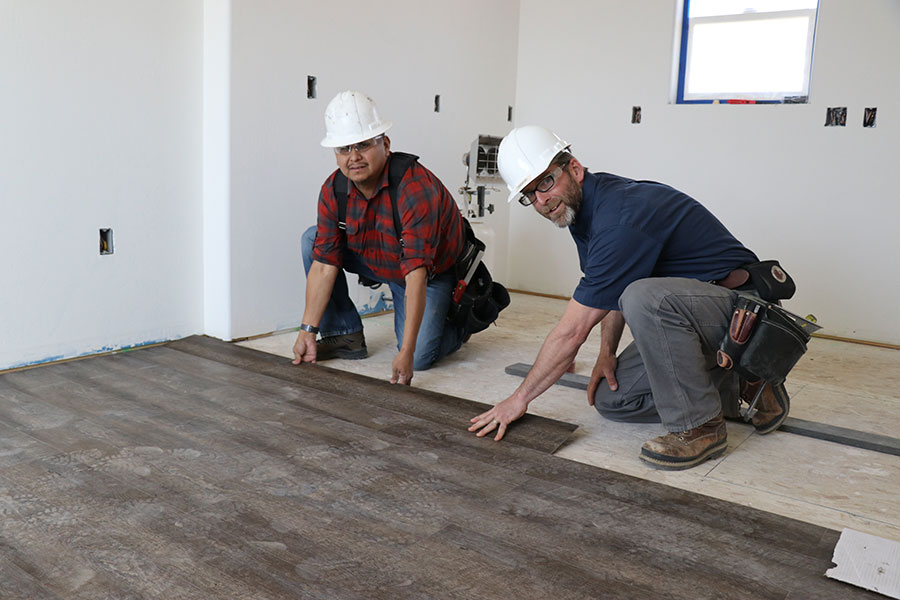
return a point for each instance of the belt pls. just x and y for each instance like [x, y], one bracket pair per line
[734, 280]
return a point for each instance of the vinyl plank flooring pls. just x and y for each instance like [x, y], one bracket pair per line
[472, 565]
[37, 546]
[125, 539]
[759, 527]
[16, 584]
[194, 471]
[531, 431]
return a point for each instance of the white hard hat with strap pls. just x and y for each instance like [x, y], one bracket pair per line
[352, 117]
[525, 153]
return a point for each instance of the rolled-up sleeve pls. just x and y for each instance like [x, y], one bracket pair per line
[329, 244]
[420, 203]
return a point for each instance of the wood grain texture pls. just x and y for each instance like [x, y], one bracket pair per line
[169, 473]
[532, 431]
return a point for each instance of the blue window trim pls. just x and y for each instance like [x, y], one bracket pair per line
[682, 61]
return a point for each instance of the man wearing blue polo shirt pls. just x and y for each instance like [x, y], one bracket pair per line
[651, 257]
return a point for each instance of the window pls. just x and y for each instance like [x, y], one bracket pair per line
[745, 50]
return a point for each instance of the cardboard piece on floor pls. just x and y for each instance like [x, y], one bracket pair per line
[867, 561]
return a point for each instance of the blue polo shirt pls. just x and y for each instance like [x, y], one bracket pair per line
[628, 230]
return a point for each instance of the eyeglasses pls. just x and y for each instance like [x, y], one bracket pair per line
[359, 146]
[544, 185]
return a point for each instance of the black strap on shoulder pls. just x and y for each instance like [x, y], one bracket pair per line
[400, 163]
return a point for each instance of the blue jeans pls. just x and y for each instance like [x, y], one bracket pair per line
[436, 338]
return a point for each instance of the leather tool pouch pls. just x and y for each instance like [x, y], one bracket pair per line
[481, 303]
[764, 341]
[770, 280]
[483, 298]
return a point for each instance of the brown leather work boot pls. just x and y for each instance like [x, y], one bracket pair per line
[771, 409]
[351, 346]
[677, 451]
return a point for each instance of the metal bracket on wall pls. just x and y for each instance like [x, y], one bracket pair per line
[830, 433]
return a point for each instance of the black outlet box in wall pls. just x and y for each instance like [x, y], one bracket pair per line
[106, 241]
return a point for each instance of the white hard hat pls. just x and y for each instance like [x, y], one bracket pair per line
[525, 153]
[352, 117]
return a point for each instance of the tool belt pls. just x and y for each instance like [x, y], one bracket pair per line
[477, 298]
[767, 277]
[764, 341]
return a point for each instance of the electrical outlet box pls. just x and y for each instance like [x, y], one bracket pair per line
[869, 117]
[836, 116]
[106, 241]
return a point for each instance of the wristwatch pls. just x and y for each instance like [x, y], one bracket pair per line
[309, 328]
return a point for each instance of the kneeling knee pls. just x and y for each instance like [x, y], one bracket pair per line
[423, 362]
[615, 406]
[637, 296]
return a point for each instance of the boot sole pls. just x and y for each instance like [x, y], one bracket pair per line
[785, 402]
[668, 463]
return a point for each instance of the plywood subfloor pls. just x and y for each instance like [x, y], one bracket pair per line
[184, 471]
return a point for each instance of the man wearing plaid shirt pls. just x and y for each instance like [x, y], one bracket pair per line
[420, 272]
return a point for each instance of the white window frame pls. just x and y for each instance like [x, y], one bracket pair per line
[681, 95]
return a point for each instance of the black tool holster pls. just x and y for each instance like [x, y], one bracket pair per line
[764, 341]
[484, 298]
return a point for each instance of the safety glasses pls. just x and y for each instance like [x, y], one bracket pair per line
[359, 146]
[544, 185]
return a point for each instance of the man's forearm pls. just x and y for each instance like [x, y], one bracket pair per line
[559, 350]
[416, 284]
[557, 353]
[319, 283]
[611, 328]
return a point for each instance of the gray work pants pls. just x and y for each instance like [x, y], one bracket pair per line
[669, 372]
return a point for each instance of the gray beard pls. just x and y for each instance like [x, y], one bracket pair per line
[572, 200]
[565, 219]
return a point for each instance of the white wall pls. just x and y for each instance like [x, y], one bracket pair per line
[822, 200]
[216, 233]
[402, 53]
[184, 125]
[100, 115]
[103, 121]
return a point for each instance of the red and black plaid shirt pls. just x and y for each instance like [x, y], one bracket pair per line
[431, 223]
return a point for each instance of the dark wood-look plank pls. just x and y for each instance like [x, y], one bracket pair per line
[163, 473]
[761, 529]
[16, 584]
[531, 431]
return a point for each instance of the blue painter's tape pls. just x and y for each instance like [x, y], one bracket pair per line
[381, 305]
[103, 350]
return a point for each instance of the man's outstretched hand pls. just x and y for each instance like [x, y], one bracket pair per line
[499, 418]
